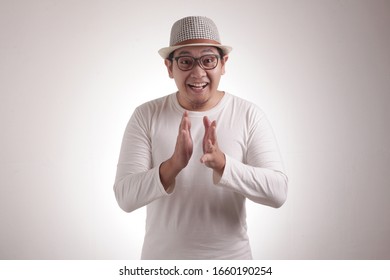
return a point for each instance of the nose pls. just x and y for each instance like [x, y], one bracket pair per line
[197, 71]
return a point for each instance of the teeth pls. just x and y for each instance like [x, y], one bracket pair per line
[198, 84]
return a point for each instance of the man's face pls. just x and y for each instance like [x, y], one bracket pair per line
[198, 88]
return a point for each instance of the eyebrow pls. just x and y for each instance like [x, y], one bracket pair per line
[187, 52]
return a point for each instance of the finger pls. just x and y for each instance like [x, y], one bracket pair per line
[210, 146]
[181, 126]
[188, 121]
[185, 122]
[204, 158]
[213, 132]
[206, 122]
[184, 140]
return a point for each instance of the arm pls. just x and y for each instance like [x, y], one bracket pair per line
[137, 182]
[261, 178]
[261, 185]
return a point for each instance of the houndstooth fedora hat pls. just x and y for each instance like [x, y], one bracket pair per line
[193, 31]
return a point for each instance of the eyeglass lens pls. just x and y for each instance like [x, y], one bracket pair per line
[207, 62]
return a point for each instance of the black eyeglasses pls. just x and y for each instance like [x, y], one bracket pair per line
[206, 62]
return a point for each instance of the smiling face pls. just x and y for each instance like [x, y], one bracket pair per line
[198, 88]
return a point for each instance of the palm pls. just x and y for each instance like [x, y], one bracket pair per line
[184, 144]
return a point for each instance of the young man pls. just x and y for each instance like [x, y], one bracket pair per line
[193, 157]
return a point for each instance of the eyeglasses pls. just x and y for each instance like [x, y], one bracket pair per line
[206, 62]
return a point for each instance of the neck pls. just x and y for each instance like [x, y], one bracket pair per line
[205, 105]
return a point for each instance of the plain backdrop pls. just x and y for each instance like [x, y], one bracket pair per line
[72, 72]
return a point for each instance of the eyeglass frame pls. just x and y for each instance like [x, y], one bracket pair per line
[197, 60]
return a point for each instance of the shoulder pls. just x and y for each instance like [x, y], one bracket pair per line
[149, 112]
[153, 105]
[244, 107]
[153, 109]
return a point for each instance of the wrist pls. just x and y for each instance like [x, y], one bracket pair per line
[221, 168]
[168, 172]
[174, 165]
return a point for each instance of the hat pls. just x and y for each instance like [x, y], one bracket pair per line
[193, 31]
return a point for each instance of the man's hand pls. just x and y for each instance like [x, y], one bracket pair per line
[181, 156]
[184, 145]
[212, 157]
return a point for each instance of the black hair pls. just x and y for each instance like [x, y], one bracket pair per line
[170, 56]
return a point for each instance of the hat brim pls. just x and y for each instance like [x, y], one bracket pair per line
[164, 52]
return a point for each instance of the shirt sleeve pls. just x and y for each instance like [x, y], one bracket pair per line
[137, 182]
[261, 178]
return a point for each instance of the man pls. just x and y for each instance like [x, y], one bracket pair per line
[193, 157]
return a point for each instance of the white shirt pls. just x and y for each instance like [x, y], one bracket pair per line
[201, 216]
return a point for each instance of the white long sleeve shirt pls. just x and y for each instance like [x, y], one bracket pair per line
[202, 215]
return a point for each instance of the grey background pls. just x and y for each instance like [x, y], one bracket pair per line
[72, 72]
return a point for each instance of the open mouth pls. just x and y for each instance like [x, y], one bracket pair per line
[198, 86]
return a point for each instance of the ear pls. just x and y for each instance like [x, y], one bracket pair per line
[169, 66]
[223, 62]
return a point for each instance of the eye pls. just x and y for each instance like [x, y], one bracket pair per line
[209, 60]
[185, 61]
